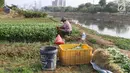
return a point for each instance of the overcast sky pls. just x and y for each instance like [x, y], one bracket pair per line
[73, 3]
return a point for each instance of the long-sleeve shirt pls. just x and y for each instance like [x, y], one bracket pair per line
[67, 26]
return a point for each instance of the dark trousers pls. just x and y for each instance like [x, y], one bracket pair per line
[63, 33]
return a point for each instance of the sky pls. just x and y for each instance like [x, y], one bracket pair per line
[40, 3]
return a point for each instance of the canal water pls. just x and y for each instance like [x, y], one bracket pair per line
[107, 28]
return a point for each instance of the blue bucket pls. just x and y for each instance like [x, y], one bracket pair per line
[6, 10]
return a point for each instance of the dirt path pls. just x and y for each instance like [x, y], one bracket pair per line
[126, 52]
[100, 40]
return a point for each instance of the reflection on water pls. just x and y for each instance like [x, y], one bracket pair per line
[114, 29]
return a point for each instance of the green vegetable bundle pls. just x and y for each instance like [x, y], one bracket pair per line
[120, 59]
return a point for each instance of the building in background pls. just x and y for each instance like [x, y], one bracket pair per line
[53, 3]
[59, 3]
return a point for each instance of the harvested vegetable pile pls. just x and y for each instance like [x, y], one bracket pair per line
[79, 47]
[122, 60]
[103, 59]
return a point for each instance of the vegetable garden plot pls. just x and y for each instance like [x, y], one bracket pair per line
[27, 31]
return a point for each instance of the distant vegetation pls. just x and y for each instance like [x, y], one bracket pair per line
[28, 13]
[1, 3]
[102, 6]
[88, 8]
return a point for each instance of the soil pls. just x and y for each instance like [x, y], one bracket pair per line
[98, 39]
[126, 52]
[12, 14]
[73, 69]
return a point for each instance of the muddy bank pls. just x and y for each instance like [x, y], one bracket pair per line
[105, 17]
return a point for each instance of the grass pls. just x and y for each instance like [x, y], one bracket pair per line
[28, 60]
[22, 57]
[27, 20]
[18, 57]
[122, 43]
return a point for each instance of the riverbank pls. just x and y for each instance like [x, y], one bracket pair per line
[24, 57]
[106, 40]
[119, 54]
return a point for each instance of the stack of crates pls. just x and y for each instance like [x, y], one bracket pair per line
[70, 56]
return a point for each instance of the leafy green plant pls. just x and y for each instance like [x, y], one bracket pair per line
[92, 41]
[120, 59]
[123, 44]
[28, 32]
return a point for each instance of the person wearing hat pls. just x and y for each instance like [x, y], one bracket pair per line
[66, 28]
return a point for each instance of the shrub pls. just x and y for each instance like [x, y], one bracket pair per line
[31, 14]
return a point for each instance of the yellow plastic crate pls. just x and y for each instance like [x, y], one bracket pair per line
[69, 56]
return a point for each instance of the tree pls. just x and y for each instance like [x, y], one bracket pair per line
[94, 9]
[102, 3]
[127, 6]
[98, 8]
[1, 3]
[88, 4]
[111, 7]
[81, 7]
[84, 9]
[91, 9]
[48, 8]
[69, 9]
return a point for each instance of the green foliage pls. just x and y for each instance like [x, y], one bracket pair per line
[84, 9]
[102, 3]
[120, 59]
[22, 70]
[88, 5]
[111, 7]
[94, 9]
[2, 3]
[75, 31]
[25, 58]
[32, 14]
[80, 7]
[123, 43]
[92, 41]
[27, 32]
[91, 9]
[69, 9]
[58, 9]
[29, 13]
[127, 6]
